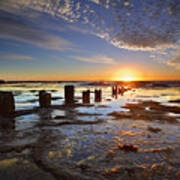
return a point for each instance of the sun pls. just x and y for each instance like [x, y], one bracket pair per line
[127, 78]
[126, 75]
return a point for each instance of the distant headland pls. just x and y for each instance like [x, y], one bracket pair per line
[2, 81]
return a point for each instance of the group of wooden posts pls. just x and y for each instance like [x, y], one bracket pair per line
[118, 90]
[7, 102]
[69, 95]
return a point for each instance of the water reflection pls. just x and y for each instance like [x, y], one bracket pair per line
[8, 162]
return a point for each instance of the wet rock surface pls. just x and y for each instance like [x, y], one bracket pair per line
[21, 168]
[147, 110]
[89, 150]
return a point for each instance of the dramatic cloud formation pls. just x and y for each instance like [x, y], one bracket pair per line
[15, 56]
[97, 59]
[129, 24]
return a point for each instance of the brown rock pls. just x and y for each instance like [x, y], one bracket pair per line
[128, 147]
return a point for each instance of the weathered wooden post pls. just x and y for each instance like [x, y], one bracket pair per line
[121, 90]
[86, 97]
[114, 90]
[44, 99]
[69, 94]
[7, 104]
[98, 95]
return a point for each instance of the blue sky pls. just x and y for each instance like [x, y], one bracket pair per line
[89, 39]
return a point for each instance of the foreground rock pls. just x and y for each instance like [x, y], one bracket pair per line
[148, 111]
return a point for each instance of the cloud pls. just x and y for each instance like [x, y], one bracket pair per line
[175, 60]
[95, 1]
[149, 41]
[13, 27]
[15, 56]
[79, 29]
[97, 59]
[128, 24]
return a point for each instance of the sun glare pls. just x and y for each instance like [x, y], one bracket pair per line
[126, 75]
[127, 78]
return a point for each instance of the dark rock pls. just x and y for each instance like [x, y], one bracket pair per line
[53, 90]
[128, 147]
[33, 91]
[56, 98]
[175, 101]
[60, 117]
[83, 166]
[153, 129]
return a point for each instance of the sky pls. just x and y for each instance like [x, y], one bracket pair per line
[90, 39]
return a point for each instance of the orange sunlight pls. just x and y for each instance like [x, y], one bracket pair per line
[127, 78]
[126, 75]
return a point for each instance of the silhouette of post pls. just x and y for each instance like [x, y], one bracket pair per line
[7, 104]
[114, 90]
[69, 94]
[44, 99]
[121, 90]
[98, 95]
[86, 97]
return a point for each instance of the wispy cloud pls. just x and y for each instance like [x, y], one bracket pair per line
[175, 60]
[148, 25]
[15, 57]
[16, 29]
[95, 1]
[97, 59]
[79, 29]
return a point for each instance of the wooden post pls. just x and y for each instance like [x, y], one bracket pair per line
[69, 94]
[86, 97]
[44, 99]
[7, 104]
[98, 95]
[121, 90]
[114, 90]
